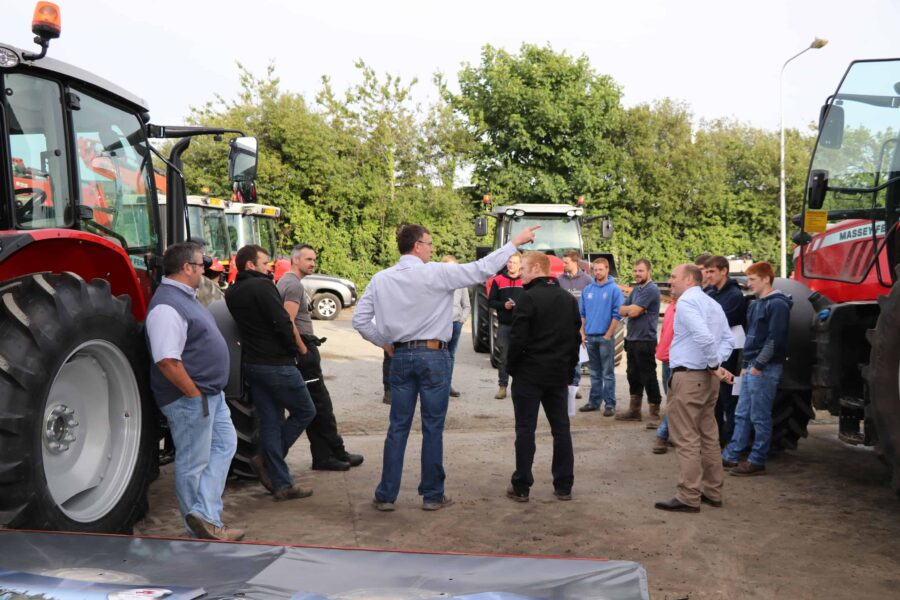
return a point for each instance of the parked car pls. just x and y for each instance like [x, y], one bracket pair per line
[328, 295]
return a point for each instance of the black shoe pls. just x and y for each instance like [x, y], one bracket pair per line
[331, 464]
[588, 408]
[512, 494]
[675, 505]
[707, 500]
[728, 464]
[454, 393]
[609, 412]
[354, 459]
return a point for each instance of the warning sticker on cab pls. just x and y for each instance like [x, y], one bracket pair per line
[815, 221]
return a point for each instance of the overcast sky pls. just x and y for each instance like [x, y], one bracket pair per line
[721, 57]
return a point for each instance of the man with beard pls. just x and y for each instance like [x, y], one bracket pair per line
[642, 310]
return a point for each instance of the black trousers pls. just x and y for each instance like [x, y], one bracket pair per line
[641, 370]
[727, 403]
[324, 440]
[527, 400]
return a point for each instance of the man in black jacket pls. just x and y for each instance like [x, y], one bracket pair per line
[726, 291]
[270, 346]
[543, 351]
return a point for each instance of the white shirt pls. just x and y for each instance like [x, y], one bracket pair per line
[413, 300]
[166, 328]
[702, 337]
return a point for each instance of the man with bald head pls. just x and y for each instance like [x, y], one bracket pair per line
[702, 341]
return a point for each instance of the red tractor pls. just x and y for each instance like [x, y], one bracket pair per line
[845, 347]
[79, 440]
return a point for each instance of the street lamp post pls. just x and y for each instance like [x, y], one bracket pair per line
[815, 45]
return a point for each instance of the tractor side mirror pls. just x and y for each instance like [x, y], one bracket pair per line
[606, 228]
[831, 126]
[242, 160]
[816, 188]
[481, 226]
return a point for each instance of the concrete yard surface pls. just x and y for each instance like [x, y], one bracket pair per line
[822, 523]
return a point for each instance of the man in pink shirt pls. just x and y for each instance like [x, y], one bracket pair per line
[661, 444]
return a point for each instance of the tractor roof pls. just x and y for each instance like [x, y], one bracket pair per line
[58, 67]
[534, 209]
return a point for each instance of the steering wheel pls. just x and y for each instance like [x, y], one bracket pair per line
[25, 209]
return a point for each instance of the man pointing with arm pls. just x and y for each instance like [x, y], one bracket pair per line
[407, 310]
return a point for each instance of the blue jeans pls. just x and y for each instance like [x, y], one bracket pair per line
[754, 413]
[451, 347]
[274, 389]
[204, 447]
[601, 354]
[422, 373]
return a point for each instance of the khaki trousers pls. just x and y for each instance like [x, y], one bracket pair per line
[693, 430]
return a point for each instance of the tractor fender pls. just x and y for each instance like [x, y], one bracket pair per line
[229, 330]
[85, 254]
[798, 364]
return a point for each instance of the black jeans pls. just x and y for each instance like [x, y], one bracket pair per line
[324, 440]
[727, 403]
[641, 370]
[503, 345]
[527, 399]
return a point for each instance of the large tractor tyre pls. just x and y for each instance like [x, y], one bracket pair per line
[246, 424]
[619, 352]
[493, 331]
[78, 427]
[791, 414]
[884, 382]
[481, 341]
[326, 306]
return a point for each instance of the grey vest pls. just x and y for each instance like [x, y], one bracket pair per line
[205, 354]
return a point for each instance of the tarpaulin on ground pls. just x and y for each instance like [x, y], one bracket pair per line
[69, 566]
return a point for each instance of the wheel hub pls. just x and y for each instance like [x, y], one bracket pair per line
[60, 428]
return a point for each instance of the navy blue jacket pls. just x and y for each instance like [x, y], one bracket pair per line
[732, 301]
[768, 322]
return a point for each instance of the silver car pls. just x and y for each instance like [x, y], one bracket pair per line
[328, 295]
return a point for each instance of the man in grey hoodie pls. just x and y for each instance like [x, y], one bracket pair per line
[765, 348]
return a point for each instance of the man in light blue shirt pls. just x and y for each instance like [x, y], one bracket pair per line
[702, 341]
[407, 310]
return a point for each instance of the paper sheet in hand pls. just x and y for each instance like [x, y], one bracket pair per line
[582, 354]
[736, 386]
[738, 332]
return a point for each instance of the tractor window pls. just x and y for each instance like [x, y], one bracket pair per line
[267, 236]
[114, 173]
[38, 144]
[557, 233]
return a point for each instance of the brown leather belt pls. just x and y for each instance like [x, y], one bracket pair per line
[430, 344]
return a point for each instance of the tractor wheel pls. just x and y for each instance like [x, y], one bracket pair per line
[619, 352]
[326, 306]
[77, 423]
[480, 325]
[884, 382]
[246, 424]
[493, 330]
[791, 413]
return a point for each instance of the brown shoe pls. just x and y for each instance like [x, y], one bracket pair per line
[291, 492]
[746, 468]
[258, 466]
[386, 399]
[501, 393]
[634, 410]
[512, 494]
[660, 446]
[564, 496]
[205, 530]
[654, 416]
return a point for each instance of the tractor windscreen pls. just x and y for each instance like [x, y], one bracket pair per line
[557, 233]
[857, 164]
[210, 224]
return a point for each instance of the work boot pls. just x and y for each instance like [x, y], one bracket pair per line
[634, 410]
[746, 468]
[386, 399]
[660, 446]
[291, 492]
[205, 530]
[501, 393]
[654, 416]
[258, 466]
